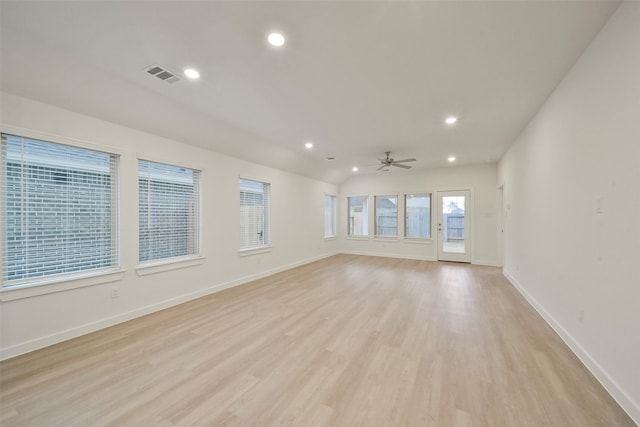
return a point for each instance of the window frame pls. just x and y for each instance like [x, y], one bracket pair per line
[267, 245]
[375, 216]
[66, 281]
[419, 239]
[189, 259]
[365, 215]
[333, 217]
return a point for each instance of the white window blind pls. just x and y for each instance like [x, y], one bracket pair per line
[417, 216]
[386, 216]
[59, 210]
[329, 215]
[254, 214]
[358, 216]
[169, 198]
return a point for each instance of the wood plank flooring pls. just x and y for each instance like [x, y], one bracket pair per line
[345, 341]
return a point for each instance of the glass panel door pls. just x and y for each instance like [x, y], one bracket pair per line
[453, 226]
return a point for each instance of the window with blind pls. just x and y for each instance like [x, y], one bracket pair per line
[417, 209]
[386, 216]
[358, 221]
[59, 211]
[329, 215]
[254, 214]
[169, 220]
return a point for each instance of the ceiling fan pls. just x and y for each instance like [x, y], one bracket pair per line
[390, 161]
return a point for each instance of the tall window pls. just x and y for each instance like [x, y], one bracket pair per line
[254, 214]
[329, 215]
[358, 216]
[59, 211]
[386, 216]
[417, 208]
[168, 209]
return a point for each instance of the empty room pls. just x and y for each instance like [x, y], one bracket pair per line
[319, 213]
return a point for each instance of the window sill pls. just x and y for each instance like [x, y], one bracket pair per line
[168, 265]
[255, 251]
[415, 241]
[50, 286]
[357, 237]
[329, 238]
[385, 239]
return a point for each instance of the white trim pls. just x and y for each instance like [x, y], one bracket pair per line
[390, 255]
[417, 241]
[250, 178]
[329, 238]
[68, 334]
[386, 239]
[255, 250]
[625, 401]
[363, 238]
[59, 139]
[60, 284]
[154, 267]
[487, 263]
[169, 162]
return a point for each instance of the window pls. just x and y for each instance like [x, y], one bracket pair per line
[417, 208]
[59, 211]
[386, 216]
[254, 214]
[329, 215]
[358, 216]
[168, 210]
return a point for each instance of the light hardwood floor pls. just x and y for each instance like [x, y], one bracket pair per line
[346, 341]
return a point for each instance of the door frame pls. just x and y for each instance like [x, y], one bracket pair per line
[469, 226]
[502, 226]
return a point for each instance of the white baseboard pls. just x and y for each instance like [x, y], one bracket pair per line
[389, 255]
[631, 407]
[416, 257]
[58, 337]
[487, 263]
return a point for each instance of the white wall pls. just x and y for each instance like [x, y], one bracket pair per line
[297, 231]
[572, 199]
[482, 179]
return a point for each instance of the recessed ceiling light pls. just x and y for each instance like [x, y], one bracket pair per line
[355, 169]
[191, 73]
[451, 120]
[309, 145]
[451, 159]
[275, 39]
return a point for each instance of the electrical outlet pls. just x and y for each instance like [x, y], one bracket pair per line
[581, 316]
[115, 293]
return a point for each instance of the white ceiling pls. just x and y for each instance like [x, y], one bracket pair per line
[356, 78]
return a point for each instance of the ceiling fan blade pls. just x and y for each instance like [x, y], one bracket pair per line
[401, 166]
[381, 167]
[404, 160]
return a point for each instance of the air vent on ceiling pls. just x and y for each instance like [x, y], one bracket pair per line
[163, 74]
